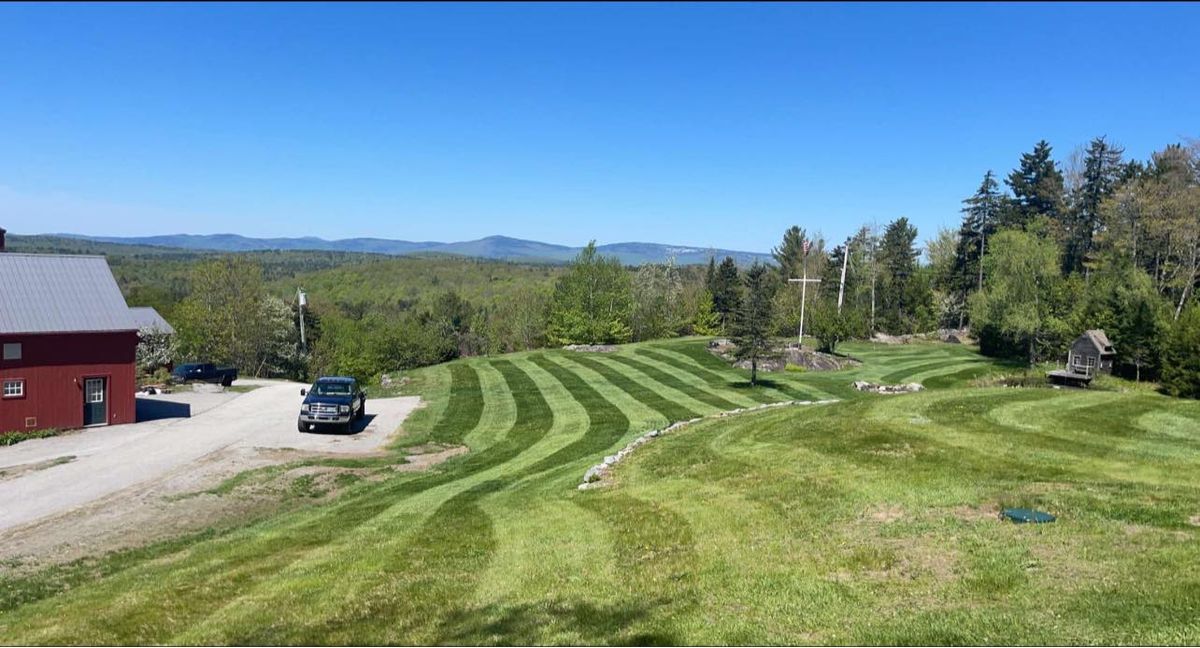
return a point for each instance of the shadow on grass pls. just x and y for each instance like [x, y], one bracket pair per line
[541, 624]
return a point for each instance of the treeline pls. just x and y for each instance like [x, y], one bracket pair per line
[1050, 251]
[1100, 242]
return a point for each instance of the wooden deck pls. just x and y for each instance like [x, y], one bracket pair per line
[1069, 377]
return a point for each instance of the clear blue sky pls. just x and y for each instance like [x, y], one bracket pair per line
[707, 125]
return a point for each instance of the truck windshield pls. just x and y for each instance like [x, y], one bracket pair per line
[332, 389]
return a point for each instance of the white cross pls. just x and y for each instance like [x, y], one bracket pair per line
[803, 295]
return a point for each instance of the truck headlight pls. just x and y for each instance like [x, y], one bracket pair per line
[344, 409]
[304, 408]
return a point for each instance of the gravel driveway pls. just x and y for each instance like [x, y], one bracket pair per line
[46, 477]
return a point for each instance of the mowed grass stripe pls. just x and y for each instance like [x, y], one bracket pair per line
[457, 535]
[463, 412]
[727, 381]
[762, 394]
[687, 398]
[672, 410]
[914, 371]
[667, 379]
[499, 409]
[606, 422]
[699, 354]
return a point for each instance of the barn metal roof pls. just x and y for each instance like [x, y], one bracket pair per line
[147, 317]
[53, 293]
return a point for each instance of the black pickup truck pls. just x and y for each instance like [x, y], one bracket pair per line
[204, 372]
[332, 400]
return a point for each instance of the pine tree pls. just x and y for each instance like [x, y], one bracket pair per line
[1037, 187]
[790, 253]
[706, 321]
[726, 290]
[1102, 170]
[752, 324]
[981, 214]
[901, 291]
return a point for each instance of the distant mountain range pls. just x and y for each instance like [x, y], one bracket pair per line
[492, 247]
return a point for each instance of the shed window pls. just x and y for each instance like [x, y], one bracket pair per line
[14, 388]
[12, 350]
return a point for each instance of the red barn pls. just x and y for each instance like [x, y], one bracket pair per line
[67, 344]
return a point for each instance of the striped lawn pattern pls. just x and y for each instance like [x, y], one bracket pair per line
[430, 558]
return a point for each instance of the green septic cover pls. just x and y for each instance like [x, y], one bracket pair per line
[1027, 515]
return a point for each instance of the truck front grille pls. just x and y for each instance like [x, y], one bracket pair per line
[323, 409]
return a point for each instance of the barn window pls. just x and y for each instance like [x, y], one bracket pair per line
[12, 350]
[14, 388]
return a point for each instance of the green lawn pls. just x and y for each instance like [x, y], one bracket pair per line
[871, 520]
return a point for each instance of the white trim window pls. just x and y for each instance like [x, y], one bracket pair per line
[14, 388]
[94, 390]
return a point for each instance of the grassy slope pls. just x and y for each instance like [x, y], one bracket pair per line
[869, 520]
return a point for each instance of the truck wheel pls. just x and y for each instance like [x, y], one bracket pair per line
[348, 428]
[362, 413]
[226, 381]
[302, 426]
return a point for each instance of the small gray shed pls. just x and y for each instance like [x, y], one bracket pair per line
[1090, 354]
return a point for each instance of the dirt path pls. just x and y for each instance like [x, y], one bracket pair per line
[102, 489]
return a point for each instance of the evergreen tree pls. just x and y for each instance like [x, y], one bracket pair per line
[1181, 355]
[790, 253]
[1037, 187]
[726, 291]
[981, 214]
[752, 324]
[710, 277]
[901, 290]
[706, 321]
[1102, 170]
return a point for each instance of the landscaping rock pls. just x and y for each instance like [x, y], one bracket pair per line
[884, 338]
[764, 364]
[862, 385]
[591, 348]
[593, 474]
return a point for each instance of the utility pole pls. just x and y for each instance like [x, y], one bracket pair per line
[301, 300]
[804, 291]
[842, 286]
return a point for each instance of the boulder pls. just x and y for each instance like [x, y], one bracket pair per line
[862, 385]
[591, 348]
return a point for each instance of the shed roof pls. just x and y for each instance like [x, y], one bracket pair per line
[1100, 340]
[54, 293]
[147, 317]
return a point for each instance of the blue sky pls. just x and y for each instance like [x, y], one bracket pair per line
[707, 125]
